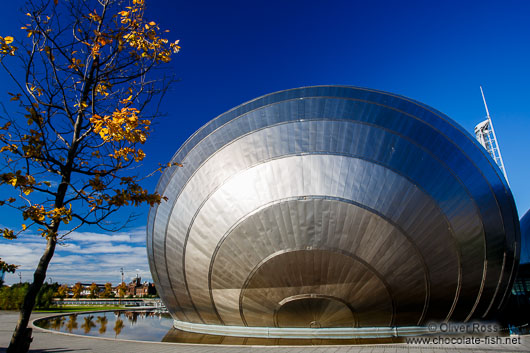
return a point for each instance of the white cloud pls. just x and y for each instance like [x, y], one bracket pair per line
[26, 255]
[136, 235]
[85, 257]
[104, 249]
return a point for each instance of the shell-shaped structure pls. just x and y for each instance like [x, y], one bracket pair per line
[332, 206]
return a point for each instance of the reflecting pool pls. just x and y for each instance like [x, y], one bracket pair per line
[137, 325]
[157, 326]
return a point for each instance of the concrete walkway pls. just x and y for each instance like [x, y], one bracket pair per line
[45, 341]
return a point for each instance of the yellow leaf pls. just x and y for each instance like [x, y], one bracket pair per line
[8, 39]
[28, 191]
[24, 227]
[152, 23]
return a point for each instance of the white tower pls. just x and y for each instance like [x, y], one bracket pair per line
[486, 137]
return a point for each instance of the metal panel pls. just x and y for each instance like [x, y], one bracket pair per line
[395, 185]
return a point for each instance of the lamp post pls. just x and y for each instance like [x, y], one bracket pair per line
[119, 298]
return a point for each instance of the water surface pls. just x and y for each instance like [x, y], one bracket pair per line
[156, 326]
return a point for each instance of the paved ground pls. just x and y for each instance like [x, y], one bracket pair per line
[44, 341]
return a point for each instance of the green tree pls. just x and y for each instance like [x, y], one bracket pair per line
[45, 297]
[11, 298]
[88, 98]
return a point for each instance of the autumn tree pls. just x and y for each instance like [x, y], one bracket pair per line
[93, 290]
[58, 322]
[107, 292]
[6, 268]
[118, 326]
[76, 290]
[72, 323]
[122, 288]
[85, 100]
[62, 291]
[88, 324]
[103, 324]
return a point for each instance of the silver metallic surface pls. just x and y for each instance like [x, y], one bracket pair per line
[298, 332]
[332, 206]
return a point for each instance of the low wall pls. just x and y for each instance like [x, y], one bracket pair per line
[110, 301]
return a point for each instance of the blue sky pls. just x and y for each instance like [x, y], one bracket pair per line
[437, 52]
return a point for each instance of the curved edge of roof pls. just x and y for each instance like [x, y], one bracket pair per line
[263, 97]
[432, 110]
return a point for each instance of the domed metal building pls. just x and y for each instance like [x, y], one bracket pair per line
[332, 206]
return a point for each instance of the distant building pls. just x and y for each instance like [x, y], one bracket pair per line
[138, 289]
[485, 135]
[86, 289]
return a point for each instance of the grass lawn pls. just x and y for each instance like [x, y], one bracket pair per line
[69, 309]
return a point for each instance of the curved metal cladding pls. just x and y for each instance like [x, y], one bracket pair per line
[333, 206]
[525, 238]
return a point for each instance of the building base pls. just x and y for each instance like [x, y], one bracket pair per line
[300, 332]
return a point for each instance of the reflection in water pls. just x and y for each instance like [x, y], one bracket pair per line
[88, 324]
[118, 326]
[72, 323]
[102, 320]
[158, 327]
[132, 316]
[57, 323]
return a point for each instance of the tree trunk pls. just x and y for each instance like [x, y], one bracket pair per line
[21, 338]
